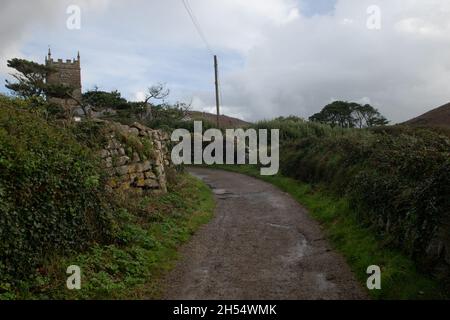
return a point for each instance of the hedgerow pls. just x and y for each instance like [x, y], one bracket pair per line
[52, 199]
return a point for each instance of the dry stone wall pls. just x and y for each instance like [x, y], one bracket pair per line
[136, 158]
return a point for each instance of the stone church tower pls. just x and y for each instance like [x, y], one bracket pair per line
[68, 73]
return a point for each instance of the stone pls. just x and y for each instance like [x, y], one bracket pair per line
[124, 186]
[159, 171]
[108, 162]
[122, 170]
[122, 160]
[124, 128]
[110, 171]
[139, 183]
[104, 153]
[146, 165]
[149, 175]
[133, 168]
[112, 183]
[162, 185]
[134, 131]
[113, 144]
[121, 151]
[136, 157]
[138, 167]
[151, 183]
[139, 126]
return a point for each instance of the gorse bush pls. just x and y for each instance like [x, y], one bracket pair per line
[52, 198]
[397, 178]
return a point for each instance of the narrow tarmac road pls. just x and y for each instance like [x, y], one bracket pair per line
[261, 244]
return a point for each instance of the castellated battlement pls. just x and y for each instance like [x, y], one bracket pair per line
[61, 63]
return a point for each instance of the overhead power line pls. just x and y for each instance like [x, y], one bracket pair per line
[205, 41]
[196, 25]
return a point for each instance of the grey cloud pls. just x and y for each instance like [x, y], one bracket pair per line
[18, 17]
[308, 63]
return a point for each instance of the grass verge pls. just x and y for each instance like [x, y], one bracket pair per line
[359, 245]
[149, 235]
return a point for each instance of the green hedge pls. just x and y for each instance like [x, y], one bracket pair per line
[51, 194]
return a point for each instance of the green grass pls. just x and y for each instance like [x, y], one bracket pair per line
[358, 244]
[149, 235]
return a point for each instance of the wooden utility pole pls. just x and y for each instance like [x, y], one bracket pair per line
[217, 91]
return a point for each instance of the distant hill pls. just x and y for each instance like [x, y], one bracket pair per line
[224, 121]
[439, 117]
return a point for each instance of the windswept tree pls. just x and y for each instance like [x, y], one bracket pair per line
[31, 82]
[155, 92]
[30, 77]
[349, 115]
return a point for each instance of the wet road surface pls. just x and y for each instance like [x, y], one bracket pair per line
[261, 244]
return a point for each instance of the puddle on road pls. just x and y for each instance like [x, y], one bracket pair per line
[279, 226]
[198, 176]
[220, 192]
[322, 283]
[301, 248]
[297, 251]
[223, 194]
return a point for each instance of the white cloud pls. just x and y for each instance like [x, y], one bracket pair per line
[139, 96]
[305, 64]
[420, 27]
[346, 21]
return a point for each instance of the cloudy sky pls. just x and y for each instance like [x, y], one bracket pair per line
[277, 57]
